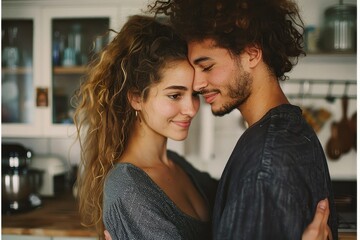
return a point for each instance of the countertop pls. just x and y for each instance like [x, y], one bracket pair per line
[57, 216]
[347, 236]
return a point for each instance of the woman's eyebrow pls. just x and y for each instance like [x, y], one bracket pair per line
[176, 87]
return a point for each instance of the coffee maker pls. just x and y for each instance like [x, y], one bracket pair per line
[20, 183]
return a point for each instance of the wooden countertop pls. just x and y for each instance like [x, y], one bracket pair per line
[347, 235]
[58, 216]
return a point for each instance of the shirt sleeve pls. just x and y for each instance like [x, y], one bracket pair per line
[134, 215]
[262, 212]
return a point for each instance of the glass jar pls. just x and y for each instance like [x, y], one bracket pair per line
[339, 30]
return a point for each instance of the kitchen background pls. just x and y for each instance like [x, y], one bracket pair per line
[43, 126]
[47, 43]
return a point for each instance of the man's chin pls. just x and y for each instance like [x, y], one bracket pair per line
[219, 112]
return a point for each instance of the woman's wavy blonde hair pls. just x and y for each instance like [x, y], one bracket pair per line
[131, 63]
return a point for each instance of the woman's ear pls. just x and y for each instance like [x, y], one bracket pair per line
[135, 100]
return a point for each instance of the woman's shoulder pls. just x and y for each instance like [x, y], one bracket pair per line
[129, 186]
[123, 179]
[122, 173]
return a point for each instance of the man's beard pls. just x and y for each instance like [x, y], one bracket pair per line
[239, 92]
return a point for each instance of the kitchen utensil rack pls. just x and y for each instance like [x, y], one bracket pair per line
[319, 89]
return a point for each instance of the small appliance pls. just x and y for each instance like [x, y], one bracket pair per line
[20, 183]
[55, 175]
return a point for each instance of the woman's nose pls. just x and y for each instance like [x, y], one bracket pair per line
[192, 107]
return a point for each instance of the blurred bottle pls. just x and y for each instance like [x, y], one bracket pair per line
[69, 58]
[57, 49]
[76, 29]
[11, 54]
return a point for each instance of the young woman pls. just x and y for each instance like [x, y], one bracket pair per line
[138, 94]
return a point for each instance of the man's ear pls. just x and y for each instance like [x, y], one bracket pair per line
[135, 100]
[255, 55]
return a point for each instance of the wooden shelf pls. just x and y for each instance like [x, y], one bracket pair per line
[323, 57]
[18, 70]
[70, 70]
[334, 54]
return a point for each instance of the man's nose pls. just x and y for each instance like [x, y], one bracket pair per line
[200, 81]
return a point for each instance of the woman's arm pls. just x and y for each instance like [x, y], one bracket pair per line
[318, 228]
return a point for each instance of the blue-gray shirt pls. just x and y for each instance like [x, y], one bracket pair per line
[136, 208]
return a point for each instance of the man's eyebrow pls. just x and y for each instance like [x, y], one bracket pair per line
[200, 59]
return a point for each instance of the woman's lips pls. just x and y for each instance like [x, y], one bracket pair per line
[183, 124]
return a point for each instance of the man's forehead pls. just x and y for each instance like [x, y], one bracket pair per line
[205, 43]
[202, 51]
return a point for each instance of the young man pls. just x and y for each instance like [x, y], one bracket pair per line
[277, 173]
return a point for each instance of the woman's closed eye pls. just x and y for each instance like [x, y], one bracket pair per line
[174, 96]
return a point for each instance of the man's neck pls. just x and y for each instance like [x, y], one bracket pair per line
[261, 100]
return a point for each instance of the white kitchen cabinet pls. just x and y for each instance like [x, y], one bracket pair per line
[39, 73]
[19, 72]
[53, 121]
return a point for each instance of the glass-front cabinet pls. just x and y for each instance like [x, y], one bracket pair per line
[45, 51]
[17, 71]
[20, 35]
[75, 41]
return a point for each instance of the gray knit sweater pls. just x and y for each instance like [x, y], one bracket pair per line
[136, 208]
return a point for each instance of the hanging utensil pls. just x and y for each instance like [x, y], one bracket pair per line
[333, 146]
[329, 96]
[345, 132]
[353, 126]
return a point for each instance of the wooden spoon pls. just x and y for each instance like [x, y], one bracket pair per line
[333, 146]
[345, 133]
[353, 126]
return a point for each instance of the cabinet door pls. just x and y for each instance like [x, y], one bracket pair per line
[20, 54]
[73, 36]
[75, 42]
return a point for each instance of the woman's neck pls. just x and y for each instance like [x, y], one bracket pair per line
[145, 148]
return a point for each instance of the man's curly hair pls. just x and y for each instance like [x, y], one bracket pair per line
[275, 26]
